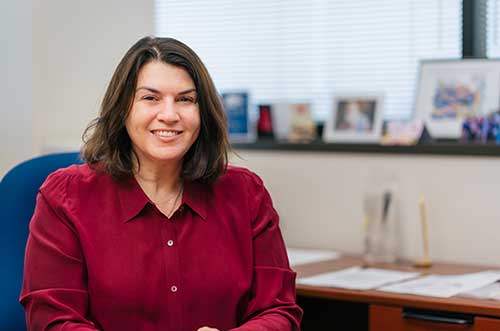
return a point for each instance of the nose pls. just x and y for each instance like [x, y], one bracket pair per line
[168, 111]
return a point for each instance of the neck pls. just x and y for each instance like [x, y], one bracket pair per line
[158, 179]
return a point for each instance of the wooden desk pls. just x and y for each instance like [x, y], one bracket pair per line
[331, 308]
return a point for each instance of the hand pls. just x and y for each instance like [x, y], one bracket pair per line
[206, 328]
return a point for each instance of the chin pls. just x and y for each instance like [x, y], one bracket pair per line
[166, 156]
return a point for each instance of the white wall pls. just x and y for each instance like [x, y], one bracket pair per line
[319, 197]
[58, 58]
[76, 47]
[15, 84]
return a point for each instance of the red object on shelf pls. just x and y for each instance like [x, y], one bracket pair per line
[265, 124]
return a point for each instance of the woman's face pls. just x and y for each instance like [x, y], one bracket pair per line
[164, 120]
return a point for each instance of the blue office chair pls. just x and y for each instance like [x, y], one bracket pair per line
[18, 190]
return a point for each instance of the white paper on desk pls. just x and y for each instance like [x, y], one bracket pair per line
[490, 292]
[444, 286]
[357, 278]
[298, 256]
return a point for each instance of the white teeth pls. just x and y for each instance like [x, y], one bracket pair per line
[165, 133]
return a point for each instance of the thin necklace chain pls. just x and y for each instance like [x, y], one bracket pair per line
[159, 203]
[175, 201]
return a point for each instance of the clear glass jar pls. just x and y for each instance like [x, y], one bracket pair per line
[381, 221]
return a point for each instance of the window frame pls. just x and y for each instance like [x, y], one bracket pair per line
[474, 29]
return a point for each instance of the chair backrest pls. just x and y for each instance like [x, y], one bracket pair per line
[18, 190]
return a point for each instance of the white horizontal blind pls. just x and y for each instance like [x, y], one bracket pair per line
[308, 50]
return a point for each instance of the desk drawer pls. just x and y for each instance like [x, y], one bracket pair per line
[486, 324]
[384, 318]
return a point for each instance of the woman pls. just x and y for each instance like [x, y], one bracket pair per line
[155, 232]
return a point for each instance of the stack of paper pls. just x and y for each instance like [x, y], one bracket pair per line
[444, 286]
[298, 256]
[357, 278]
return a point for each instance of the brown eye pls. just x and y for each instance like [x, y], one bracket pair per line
[150, 98]
[186, 99]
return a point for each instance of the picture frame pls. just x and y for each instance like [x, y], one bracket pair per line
[355, 118]
[293, 121]
[282, 119]
[450, 91]
[302, 125]
[236, 105]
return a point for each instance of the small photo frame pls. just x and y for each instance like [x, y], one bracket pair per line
[236, 106]
[282, 119]
[355, 118]
[450, 91]
[303, 127]
[291, 120]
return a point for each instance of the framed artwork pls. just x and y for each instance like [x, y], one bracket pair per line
[236, 106]
[354, 118]
[450, 91]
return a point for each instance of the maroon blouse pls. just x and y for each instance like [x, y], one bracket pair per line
[101, 256]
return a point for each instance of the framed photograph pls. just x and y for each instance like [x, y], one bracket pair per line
[236, 105]
[292, 121]
[450, 91]
[303, 127]
[354, 118]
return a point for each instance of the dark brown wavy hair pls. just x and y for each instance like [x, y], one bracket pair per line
[107, 145]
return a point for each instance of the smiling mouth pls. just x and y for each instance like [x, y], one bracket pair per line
[165, 133]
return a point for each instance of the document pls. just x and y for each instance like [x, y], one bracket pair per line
[444, 286]
[489, 292]
[298, 256]
[357, 278]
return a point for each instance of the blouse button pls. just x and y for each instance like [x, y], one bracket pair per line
[173, 288]
[170, 243]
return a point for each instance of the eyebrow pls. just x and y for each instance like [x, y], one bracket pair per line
[158, 92]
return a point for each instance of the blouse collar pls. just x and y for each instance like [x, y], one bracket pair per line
[133, 199]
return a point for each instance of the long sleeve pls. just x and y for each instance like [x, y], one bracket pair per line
[54, 293]
[272, 305]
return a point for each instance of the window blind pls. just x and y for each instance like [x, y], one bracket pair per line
[310, 50]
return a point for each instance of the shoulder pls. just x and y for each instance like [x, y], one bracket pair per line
[78, 174]
[256, 198]
[66, 182]
[241, 175]
[241, 183]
